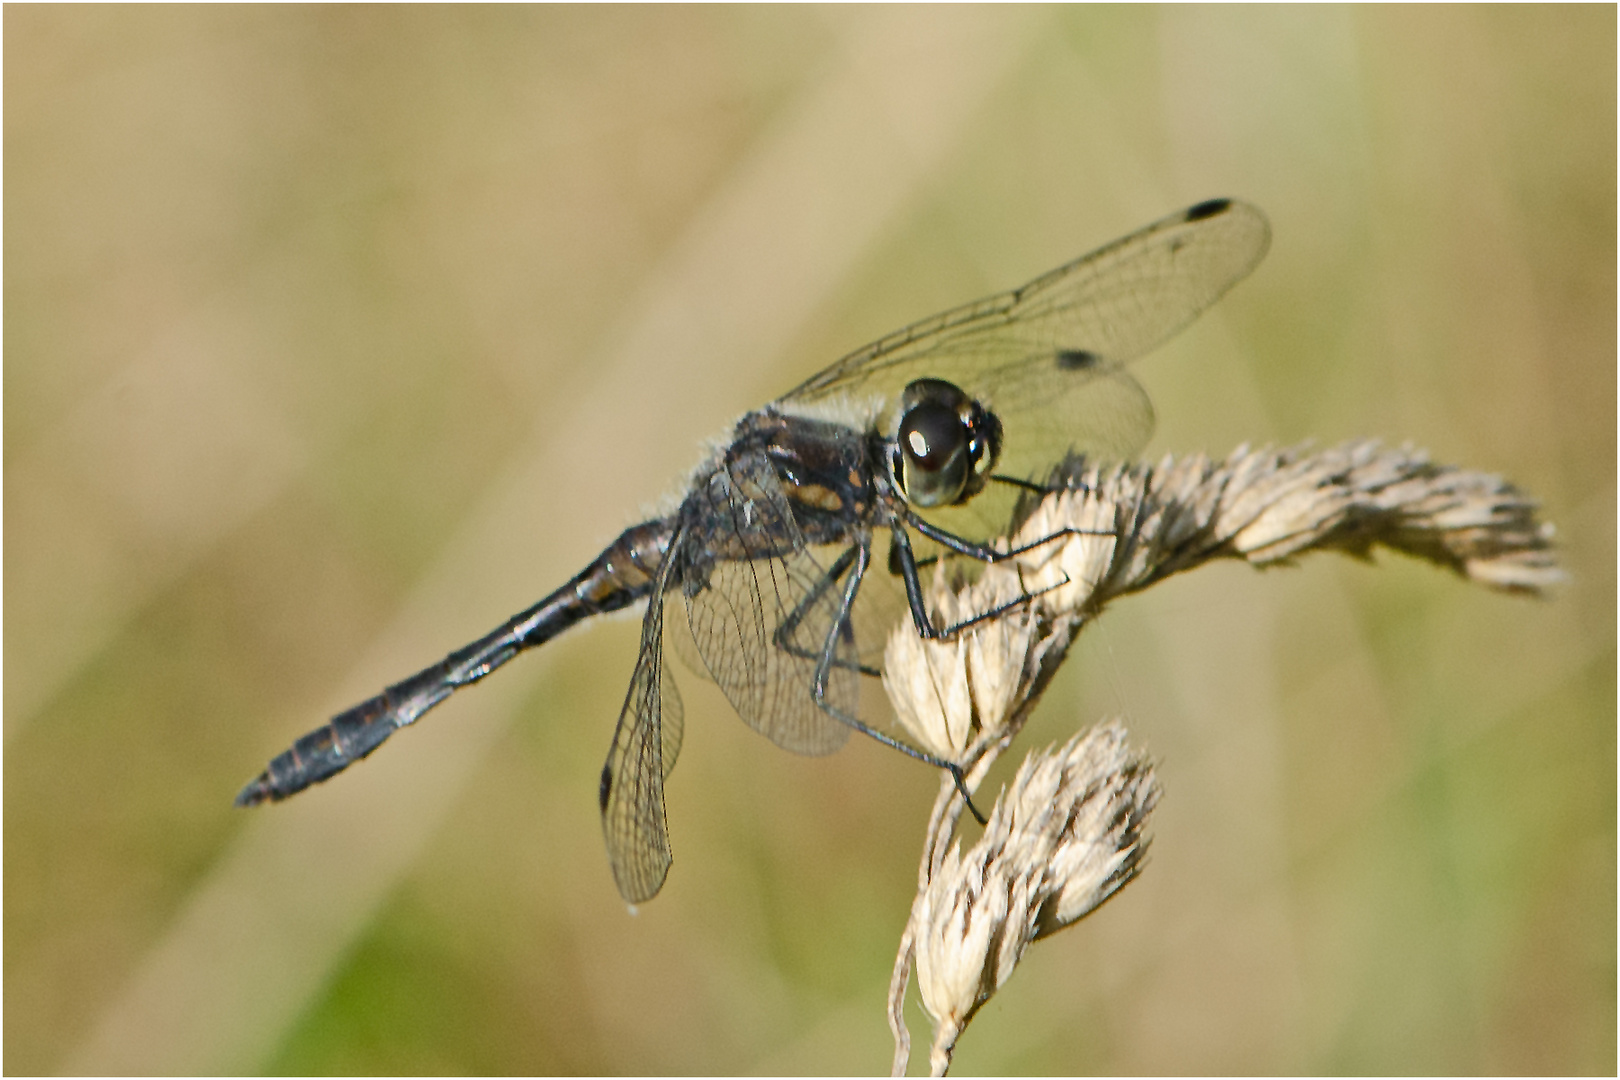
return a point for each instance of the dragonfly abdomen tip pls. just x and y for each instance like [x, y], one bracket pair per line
[257, 791]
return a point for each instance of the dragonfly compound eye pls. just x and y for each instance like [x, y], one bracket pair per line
[933, 453]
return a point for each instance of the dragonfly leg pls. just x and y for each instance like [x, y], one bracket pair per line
[790, 625]
[1025, 485]
[983, 552]
[862, 553]
[905, 562]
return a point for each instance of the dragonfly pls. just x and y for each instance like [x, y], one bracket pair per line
[760, 567]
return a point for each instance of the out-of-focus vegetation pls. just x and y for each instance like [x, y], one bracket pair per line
[326, 348]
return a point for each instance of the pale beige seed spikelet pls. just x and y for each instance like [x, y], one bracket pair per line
[927, 682]
[947, 693]
[1065, 572]
[1066, 835]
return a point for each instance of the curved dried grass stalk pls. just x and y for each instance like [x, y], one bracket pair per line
[1070, 830]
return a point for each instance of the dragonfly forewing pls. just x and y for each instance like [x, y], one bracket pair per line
[1037, 355]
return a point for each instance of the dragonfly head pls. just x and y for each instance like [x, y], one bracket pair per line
[946, 445]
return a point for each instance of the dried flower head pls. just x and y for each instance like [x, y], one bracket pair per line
[1067, 834]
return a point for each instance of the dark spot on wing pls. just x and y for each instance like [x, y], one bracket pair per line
[1207, 209]
[1077, 359]
[607, 787]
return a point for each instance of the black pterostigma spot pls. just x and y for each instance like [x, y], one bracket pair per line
[1077, 359]
[1207, 209]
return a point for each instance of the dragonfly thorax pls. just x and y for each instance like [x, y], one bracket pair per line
[946, 445]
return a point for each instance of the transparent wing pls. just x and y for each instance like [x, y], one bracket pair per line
[766, 677]
[878, 606]
[678, 640]
[1049, 358]
[646, 743]
[761, 607]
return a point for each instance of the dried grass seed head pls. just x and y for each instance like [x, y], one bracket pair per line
[1066, 835]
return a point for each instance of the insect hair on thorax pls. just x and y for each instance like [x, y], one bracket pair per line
[710, 450]
[861, 412]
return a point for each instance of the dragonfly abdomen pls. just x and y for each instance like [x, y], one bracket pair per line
[621, 575]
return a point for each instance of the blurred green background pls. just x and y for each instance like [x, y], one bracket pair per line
[333, 336]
